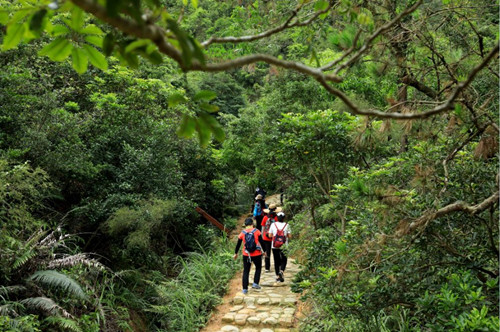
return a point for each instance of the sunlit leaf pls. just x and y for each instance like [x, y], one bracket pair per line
[15, 33]
[57, 50]
[58, 30]
[79, 59]
[91, 29]
[96, 58]
[95, 40]
[4, 17]
[136, 44]
[321, 5]
[77, 18]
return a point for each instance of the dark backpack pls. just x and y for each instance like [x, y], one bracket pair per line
[279, 238]
[250, 245]
[259, 208]
[267, 225]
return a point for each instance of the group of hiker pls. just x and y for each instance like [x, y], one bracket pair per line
[270, 234]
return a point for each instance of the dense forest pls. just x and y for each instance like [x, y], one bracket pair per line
[377, 120]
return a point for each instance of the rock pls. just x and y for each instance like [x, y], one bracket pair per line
[238, 299]
[289, 311]
[249, 300]
[236, 308]
[228, 318]
[262, 309]
[247, 311]
[266, 330]
[253, 320]
[270, 321]
[230, 328]
[275, 300]
[286, 320]
[263, 300]
[291, 300]
[281, 330]
[252, 307]
[240, 319]
[263, 315]
[249, 330]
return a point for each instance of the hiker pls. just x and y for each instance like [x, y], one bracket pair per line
[252, 252]
[258, 210]
[260, 191]
[280, 233]
[267, 221]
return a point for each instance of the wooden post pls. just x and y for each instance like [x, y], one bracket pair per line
[214, 221]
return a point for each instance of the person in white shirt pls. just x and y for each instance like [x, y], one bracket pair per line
[280, 233]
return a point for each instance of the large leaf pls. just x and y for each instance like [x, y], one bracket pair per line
[205, 95]
[80, 60]
[92, 29]
[57, 50]
[136, 44]
[15, 33]
[96, 58]
[187, 126]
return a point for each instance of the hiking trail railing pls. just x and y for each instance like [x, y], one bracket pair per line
[214, 221]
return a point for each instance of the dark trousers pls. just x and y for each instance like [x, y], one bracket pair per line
[259, 222]
[257, 260]
[279, 261]
[266, 246]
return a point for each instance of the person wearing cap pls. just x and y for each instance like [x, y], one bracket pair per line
[258, 211]
[254, 257]
[267, 221]
[280, 258]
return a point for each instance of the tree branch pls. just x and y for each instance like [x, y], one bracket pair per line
[425, 219]
[379, 31]
[130, 27]
[448, 104]
[267, 33]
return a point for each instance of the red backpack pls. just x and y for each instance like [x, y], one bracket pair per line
[267, 225]
[279, 238]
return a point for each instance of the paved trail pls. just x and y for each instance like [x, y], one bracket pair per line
[270, 309]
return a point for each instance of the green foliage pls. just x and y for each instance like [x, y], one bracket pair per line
[183, 304]
[56, 279]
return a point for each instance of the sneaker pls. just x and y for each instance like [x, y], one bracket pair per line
[245, 291]
[282, 279]
[256, 286]
[267, 271]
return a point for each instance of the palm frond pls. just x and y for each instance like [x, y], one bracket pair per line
[46, 305]
[56, 279]
[11, 309]
[65, 324]
[14, 289]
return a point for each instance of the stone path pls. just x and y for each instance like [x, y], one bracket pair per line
[270, 309]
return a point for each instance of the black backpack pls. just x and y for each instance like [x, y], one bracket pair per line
[250, 245]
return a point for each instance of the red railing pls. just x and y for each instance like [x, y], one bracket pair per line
[214, 221]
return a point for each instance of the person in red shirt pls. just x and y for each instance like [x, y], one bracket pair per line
[250, 257]
[266, 241]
